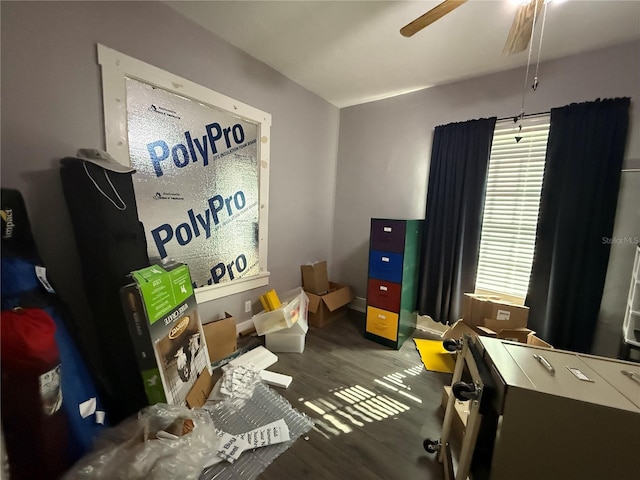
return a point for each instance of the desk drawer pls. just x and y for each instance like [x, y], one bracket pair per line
[388, 235]
[385, 266]
[382, 323]
[384, 295]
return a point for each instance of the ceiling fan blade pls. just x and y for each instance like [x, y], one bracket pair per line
[522, 27]
[431, 16]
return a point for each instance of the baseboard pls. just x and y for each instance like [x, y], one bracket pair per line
[359, 305]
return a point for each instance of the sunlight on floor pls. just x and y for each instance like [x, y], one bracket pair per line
[355, 406]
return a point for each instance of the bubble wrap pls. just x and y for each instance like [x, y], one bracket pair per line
[237, 416]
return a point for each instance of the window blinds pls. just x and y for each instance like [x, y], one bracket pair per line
[511, 205]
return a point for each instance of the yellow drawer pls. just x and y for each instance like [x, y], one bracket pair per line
[382, 323]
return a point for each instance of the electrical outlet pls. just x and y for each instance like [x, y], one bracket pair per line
[247, 306]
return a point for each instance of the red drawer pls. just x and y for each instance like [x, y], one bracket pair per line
[384, 295]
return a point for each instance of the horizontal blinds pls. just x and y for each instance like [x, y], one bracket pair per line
[511, 205]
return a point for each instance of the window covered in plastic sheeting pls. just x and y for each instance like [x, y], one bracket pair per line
[201, 180]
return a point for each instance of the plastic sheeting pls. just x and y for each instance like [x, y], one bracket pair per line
[237, 416]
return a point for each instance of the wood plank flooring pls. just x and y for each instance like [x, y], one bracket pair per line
[373, 407]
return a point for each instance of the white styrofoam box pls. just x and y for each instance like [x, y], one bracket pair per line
[295, 305]
[259, 357]
[276, 379]
[285, 342]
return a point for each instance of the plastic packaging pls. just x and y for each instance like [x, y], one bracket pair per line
[163, 442]
[239, 415]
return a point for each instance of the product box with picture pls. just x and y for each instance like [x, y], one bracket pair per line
[167, 333]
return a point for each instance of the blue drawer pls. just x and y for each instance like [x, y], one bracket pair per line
[385, 266]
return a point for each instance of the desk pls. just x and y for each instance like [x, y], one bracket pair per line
[548, 422]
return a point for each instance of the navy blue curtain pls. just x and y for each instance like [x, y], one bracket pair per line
[453, 219]
[577, 210]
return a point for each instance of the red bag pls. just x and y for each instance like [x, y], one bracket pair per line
[34, 424]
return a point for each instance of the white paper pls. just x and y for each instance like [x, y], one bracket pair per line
[275, 432]
[503, 315]
[88, 407]
[100, 417]
[41, 273]
[231, 447]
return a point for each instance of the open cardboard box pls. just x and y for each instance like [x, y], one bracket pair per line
[221, 337]
[514, 334]
[315, 278]
[324, 309]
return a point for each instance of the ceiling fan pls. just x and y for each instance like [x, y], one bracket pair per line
[519, 35]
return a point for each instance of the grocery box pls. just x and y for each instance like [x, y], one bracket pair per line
[163, 321]
[314, 278]
[324, 309]
[221, 337]
[294, 307]
[288, 340]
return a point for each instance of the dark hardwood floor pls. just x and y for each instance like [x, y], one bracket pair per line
[373, 407]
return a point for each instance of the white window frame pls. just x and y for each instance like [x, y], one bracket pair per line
[116, 67]
[526, 170]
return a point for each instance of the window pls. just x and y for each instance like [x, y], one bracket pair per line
[202, 181]
[512, 200]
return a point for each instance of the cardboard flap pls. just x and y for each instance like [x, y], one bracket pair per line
[220, 337]
[457, 330]
[200, 391]
[339, 297]
[314, 302]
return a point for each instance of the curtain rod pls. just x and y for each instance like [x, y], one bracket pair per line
[630, 170]
[526, 115]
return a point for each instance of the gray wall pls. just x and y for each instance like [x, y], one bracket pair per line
[51, 105]
[385, 147]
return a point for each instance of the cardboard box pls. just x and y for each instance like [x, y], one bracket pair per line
[314, 278]
[475, 308]
[461, 413]
[501, 315]
[201, 390]
[288, 340]
[166, 330]
[294, 307]
[324, 309]
[492, 312]
[537, 342]
[221, 338]
[514, 334]
[457, 330]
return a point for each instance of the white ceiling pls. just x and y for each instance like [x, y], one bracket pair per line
[351, 52]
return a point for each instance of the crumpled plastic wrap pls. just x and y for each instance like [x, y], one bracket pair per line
[164, 442]
[236, 382]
